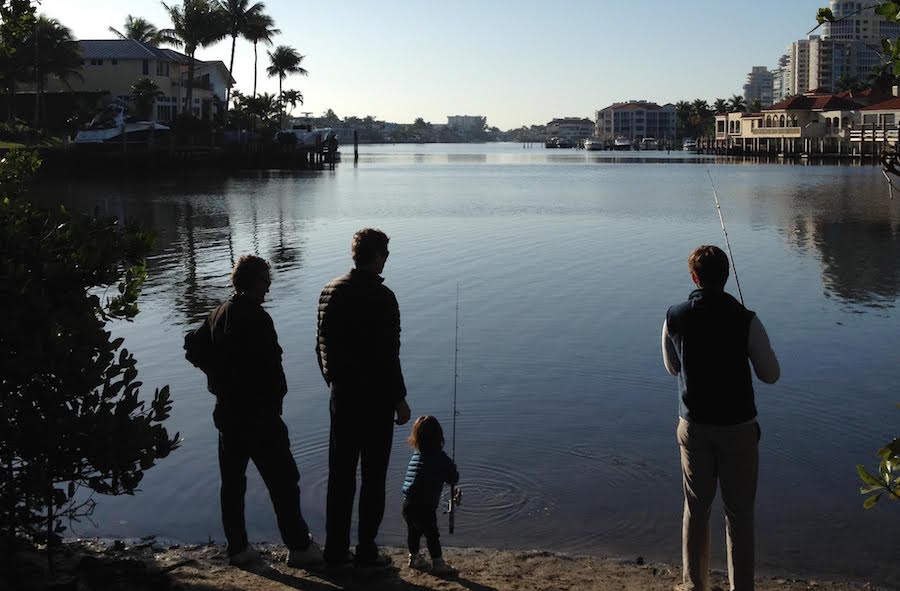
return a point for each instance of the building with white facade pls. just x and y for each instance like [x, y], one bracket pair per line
[760, 85]
[466, 125]
[781, 79]
[635, 120]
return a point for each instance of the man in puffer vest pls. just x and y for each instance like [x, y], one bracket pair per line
[709, 342]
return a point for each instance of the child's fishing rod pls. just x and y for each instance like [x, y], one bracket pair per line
[724, 231]
[455, 493]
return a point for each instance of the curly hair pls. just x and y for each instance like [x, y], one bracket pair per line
[367, 243]
[247, 270]
[426, 434]
[710, 265]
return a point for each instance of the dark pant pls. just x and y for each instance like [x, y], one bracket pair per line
[265, 441]
[359, 434]
[422, 521]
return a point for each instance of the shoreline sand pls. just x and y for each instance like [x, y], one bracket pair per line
[92, 565]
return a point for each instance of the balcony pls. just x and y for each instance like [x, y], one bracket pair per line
[777, 132]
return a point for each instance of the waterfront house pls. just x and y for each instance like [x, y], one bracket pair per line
[111, 66]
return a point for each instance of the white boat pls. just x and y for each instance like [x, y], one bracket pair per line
[593, 144]
[649, 143]
[689, 145]
[305, 136]
[109, 124]
[622, 143]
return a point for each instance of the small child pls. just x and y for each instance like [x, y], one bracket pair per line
[429, 468]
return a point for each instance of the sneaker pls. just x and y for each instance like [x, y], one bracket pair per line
[379, 560]
[246, 556]
[309, 556]
[442, 569]
[418, 562]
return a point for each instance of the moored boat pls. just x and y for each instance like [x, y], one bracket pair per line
[649, 143]
[689, 145]
[622, 143]
[593, 144]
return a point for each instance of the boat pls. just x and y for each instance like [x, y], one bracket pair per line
[108, 125]
[689, 145]
[564, 143]
[551, 142]
[305, 136]
[622, 143]
[593, 144]
[649, 143]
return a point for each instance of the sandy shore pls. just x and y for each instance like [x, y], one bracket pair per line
[146, 566]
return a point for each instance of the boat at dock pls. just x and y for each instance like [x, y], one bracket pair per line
[689, 145]
[622, 143]
[593, 144]
[109, 125]
[649, 143]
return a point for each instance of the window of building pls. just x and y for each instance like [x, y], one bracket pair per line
[145, 67]
[115, 62]
[162, 68]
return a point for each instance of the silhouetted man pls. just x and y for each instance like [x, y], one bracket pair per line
[709, 342]
[358, 346]
[238, 349]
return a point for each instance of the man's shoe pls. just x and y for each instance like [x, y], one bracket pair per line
[333, 565]
[309, 556]
[246, 556]
[378, 560]
[418, 562]
[442, 569]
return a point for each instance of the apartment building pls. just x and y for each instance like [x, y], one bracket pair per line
[571, 128]
[760, 85]
[635, 120]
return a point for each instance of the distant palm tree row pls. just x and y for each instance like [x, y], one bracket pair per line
[697, 118]
[200, 23]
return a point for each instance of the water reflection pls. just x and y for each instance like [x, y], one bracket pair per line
[856, 234]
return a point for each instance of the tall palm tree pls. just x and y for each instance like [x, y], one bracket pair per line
[701, 115]
[283, 62]
[237, 15]
[683, 119]
[260, 29]
[737, 103]
[142, 30]
[197, 23]
[56, 53]
[291, 97]
[756, 105]
[721, 105]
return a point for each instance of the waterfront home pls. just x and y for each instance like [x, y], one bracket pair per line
[111, 66]
[813, 122]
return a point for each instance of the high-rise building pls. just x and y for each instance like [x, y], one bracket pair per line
[853, 37]
[759, 86]
[799, 66]
[782, 82]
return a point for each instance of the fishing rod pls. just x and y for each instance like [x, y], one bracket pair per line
[455, 493]
[724, 231]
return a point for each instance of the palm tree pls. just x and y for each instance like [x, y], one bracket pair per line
[197, 23]
[737, 103]
[721, 105]
[57, 54]
[756, 105]
[683, 119]
[145, 92]
[260, 29]
[237, 15]
[142, 30]
[283, 62]
[291, 97]
[701, 115]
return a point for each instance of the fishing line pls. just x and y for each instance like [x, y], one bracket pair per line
[724, 231]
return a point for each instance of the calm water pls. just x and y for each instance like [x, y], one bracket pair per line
[566, 262]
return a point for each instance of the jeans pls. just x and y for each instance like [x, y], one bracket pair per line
[729, 455]
[422, 520]
[359, 434]
[265, 441]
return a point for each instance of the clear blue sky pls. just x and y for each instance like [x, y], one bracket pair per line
[514, 61]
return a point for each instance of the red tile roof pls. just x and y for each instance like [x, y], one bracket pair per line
[888, 105]
[815, 103]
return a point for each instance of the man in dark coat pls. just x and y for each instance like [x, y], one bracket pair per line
[709, 342]
[358, 346]
[238, 349]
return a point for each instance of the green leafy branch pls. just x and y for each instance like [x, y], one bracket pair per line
[886, 481]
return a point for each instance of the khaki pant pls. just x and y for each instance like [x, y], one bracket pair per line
[729, 455]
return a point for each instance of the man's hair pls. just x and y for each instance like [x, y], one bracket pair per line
[247, 270]
[367, 243]
[427, 434]
[710, 265]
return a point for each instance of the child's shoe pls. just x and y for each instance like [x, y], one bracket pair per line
[418, 562]
[442, 569]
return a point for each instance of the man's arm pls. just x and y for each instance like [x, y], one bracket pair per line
[670, 354]
[328, 339]
[395, 373]
[759, 349]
